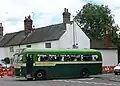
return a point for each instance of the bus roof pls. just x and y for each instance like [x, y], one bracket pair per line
[61, 50]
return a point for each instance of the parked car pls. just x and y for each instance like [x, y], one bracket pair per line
[117, 69]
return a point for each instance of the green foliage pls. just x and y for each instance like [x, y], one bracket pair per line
[94, 20]
[6, 60]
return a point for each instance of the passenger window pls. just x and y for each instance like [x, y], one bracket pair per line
[38, 57]
[94, 57]
[72, 57]
[53, 57]
[78, 57]
[87, 58]
[66, 58]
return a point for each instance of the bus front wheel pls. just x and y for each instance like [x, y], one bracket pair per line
[84, 73]
[40, 75]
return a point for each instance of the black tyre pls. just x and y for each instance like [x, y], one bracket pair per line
[116, 73]
[29, 79]
[84, 73]
[40, 75]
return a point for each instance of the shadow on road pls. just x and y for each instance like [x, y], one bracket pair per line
[24, 80]
[19, 79]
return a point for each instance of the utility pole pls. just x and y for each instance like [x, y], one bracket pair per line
[75, 44]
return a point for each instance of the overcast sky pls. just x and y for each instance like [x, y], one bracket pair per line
[45, 12]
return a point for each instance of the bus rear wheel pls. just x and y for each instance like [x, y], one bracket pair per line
[40, 75]
[84, 73]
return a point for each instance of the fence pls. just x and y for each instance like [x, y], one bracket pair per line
[9, 71]
[6, 71]
[108, 69]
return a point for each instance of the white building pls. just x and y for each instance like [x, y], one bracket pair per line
[63, 35]
[110, 54]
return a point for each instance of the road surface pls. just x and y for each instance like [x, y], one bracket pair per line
[101, 80]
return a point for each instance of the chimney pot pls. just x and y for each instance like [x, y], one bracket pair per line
[29, 17]
[64, 9]
[1, 25]
[25, 17]
[66, 16]
[1, 30]
[28, 25]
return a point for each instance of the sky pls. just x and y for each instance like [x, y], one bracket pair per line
[45, 12]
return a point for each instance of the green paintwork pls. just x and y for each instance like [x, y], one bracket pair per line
[66, 71]
[62, 51]
[17, 71]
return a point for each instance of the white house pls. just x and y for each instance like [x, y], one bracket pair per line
[63, 35]
[109, 54]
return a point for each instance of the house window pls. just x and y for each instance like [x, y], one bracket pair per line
[47, 45]
[28, 46]
[11, 49]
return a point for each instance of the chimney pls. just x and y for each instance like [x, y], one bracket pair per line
[1, 30]
[107, 38]
[28, 25]
[66, 16]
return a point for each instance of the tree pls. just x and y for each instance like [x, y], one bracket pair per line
[94, 20]
[7, 60]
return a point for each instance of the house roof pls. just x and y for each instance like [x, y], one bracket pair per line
[101, 44]
[52, 32]
[48, 33]
[6, 39]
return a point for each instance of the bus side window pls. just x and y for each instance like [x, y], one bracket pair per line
[52, 58]
[29, 57]
[59, 58]
[87, 58]
[47, 58]
[38, 57]
[55, 58]
[78, 57]
[72, 57]
[62, 58]
[41, 58]
[94, 57]
[81, 57]
[67, 58]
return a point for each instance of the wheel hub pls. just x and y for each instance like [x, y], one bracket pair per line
[39, 75]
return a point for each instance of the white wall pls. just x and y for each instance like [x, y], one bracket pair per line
[2, 54]
[81, 38]
[54, 44]
[5, 52]
[110, 57]
[66, 41]
[10, 54]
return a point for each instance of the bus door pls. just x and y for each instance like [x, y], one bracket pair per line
[29, 65]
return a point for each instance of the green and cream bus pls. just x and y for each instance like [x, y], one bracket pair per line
[42, 64]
